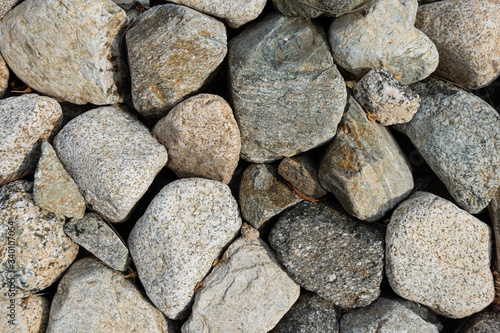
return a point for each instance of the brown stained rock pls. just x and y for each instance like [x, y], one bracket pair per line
[302, 173]
[24, 315]
[4, 76]
[494, 211]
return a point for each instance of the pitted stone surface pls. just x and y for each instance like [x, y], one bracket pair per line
[29, 315]
[6, 6]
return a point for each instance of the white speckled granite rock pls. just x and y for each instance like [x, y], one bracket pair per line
[439, 255]
[383, 37]
[246, 292]
[75, 56]
[7, 5]
[172, 51]
[235, 12]
[315, 8]
[202, 138]
[4, 76]
[34, 250]
[466, 35]
[29, 315]
[182, 232]
[112, 157]
[92, 297]
[485, 321]
[24, 122]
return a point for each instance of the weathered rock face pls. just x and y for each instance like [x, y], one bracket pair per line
[28, 315]
[202, 138]
[466, 36]
[494, 211]
[34, 249]
[263, 195]
[315, 8]
[76, 53]
[458, 134]
[7, 5]
[235, 12]
[302, 173]
[112, 157]
[385, 99]
[486, 321]
[249, 279]
[92, 297]
[172, 50]
[388, 40]
[288, 96]
[182, 232]
[4, 76]
[364, 167]
[24, 122]
[332, 254]
[439, 255]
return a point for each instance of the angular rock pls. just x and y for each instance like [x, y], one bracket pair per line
[263, 195]
[439, 255]
[485, 321]
[494, 212]
[393, 43]
[75, 56]
[236, 13]
[332, 254]
[466, 36]
[34, 250]
[315, 8]
[4, 76]
[385, 315]
[458, 134]
[29, 315]
[202, 138]
[247, 291]
[24, 122]
[112, 157]
[302, 173]
[288, 96]
[310, 314]
[92, 297]
[182, 232]
[54, 189]
[385, 99]
[364, 167]
[93, 234]
[129, 4]
[172, 50]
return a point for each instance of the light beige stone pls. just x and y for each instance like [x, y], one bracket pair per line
[4, 76]
[28, 315]
[7, 5]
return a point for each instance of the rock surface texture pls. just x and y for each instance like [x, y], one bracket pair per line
[7, 5]
[330, 253]
[288, 96]
[439, 255]
[29, 315]
[202, 138]
[458, 134]
[76, 53]
[465, 33]
[494, 212]
[486, 321]
[302, 173]
[315, 8]
[4, 76]
[384, 37]
[172, 50]
[112, 157]
[182, 232]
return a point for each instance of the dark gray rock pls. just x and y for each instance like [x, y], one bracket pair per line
[315, 8]
[129, 4]
[485, 321]
[330, 253]
[494, 211]
[458, 134]
[302, 173]
[288, 95]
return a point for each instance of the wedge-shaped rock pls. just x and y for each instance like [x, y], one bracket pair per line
[315, 8]
[302, 173]
[364, 167]
[28, 315]
[288, 96]
[439, 255]
[76, 53]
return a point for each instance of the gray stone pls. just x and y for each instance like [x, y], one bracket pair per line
[315, 8]
[182, 232]
[92, 297]
[29, 315]
[288, 95]
[129, 4]
[235, 12]
[4, 76]
[420, 310]
[94, 235]
[172, 50]
[364, 167]
[466, 36]
[263, 195]
[247, 291]
[310, 314]
[385, 99]
[34, 250]
[54, 189]
[24, 122]
[7, 5]
[458, 134]
[485, 321]
[393, 43]
[302, 173]
[494, 212]
[202, 138]
[439, 255]
[75, 56]
[330, 253]
[112, 157]
[385, 315]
